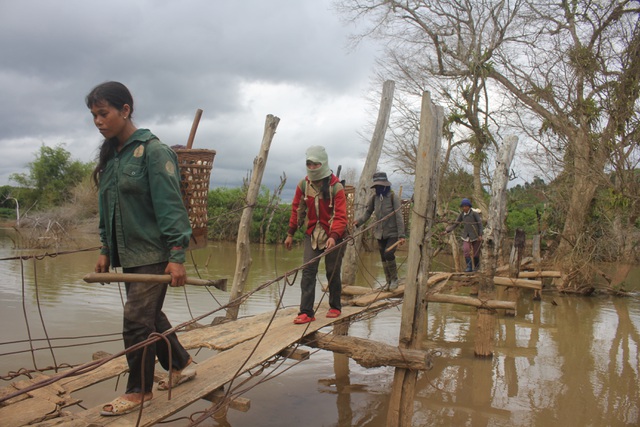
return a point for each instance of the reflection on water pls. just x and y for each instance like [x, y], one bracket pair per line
[565, 361]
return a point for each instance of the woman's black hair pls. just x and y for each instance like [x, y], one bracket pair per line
[116, 95]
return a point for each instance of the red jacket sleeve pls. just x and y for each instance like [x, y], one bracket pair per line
[293, 220]
[339, 224]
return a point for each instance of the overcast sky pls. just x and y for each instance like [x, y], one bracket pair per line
[236, 60]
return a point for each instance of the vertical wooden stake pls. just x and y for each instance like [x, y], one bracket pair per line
[414, 310]
[243, 255]
[349, 264]
[492, 236]
[517, 251]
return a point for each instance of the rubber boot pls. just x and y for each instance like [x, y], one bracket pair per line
[469, 267]
[387, 276]
[393, 275]
[476, 263]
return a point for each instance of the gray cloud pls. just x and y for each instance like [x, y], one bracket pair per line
[238, 61]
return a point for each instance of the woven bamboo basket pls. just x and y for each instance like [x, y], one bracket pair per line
[195, 171]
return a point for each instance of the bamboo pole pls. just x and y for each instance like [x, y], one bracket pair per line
[151, 278]
[470, 301]
[243, 255]
[194, 128]
[349, 264]
[414, 310]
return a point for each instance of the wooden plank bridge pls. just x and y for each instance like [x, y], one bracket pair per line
[244, 344]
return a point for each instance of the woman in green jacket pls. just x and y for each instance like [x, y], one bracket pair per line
[144, 228]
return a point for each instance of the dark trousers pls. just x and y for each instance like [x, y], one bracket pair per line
[383, 244]
[471, 249]
[332, 264]
[142, 316]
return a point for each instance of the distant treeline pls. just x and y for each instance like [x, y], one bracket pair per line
[61, 186]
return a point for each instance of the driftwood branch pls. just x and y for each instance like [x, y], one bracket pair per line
[473, 302]
[371, 354]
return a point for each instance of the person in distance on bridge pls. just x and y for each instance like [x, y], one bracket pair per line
[390, 232]
[471, 234]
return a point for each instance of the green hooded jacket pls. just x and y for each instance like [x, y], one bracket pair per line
[143, 220]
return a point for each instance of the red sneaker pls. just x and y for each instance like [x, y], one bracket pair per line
[303, 318]
[333, 312]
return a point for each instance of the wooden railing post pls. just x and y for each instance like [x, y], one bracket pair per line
[493, 236]
[349, 264]
[414, 311]
[243, 255]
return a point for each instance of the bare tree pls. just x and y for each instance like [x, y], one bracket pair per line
[443, 47]
[569, 70]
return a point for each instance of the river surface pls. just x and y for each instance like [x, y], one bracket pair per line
[562, 361]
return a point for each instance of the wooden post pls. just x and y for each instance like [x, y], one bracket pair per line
[243, 256]
[414, 311]
[493, 236]
[537, 261]
[517, 250]
[349, 264]
[455, 252]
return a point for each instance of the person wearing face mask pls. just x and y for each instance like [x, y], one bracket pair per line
[319, 208]
[389, 231]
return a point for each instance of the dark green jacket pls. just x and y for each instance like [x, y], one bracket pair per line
[142, 217]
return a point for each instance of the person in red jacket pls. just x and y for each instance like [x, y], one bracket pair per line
[319, 205]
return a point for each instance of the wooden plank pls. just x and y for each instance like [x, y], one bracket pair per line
[27, 411]
[295, 353]
[219, 370]
[241, 404]
[227, 335]
[219, 337]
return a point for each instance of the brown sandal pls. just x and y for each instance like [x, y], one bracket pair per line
[177, 378]
[121, 406]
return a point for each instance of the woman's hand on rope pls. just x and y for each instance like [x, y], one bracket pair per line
[331, 242]
[102, 266]
[178, 273]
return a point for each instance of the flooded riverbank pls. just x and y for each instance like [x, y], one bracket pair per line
[565, 360]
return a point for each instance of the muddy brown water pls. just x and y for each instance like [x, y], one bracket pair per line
[562, 361]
